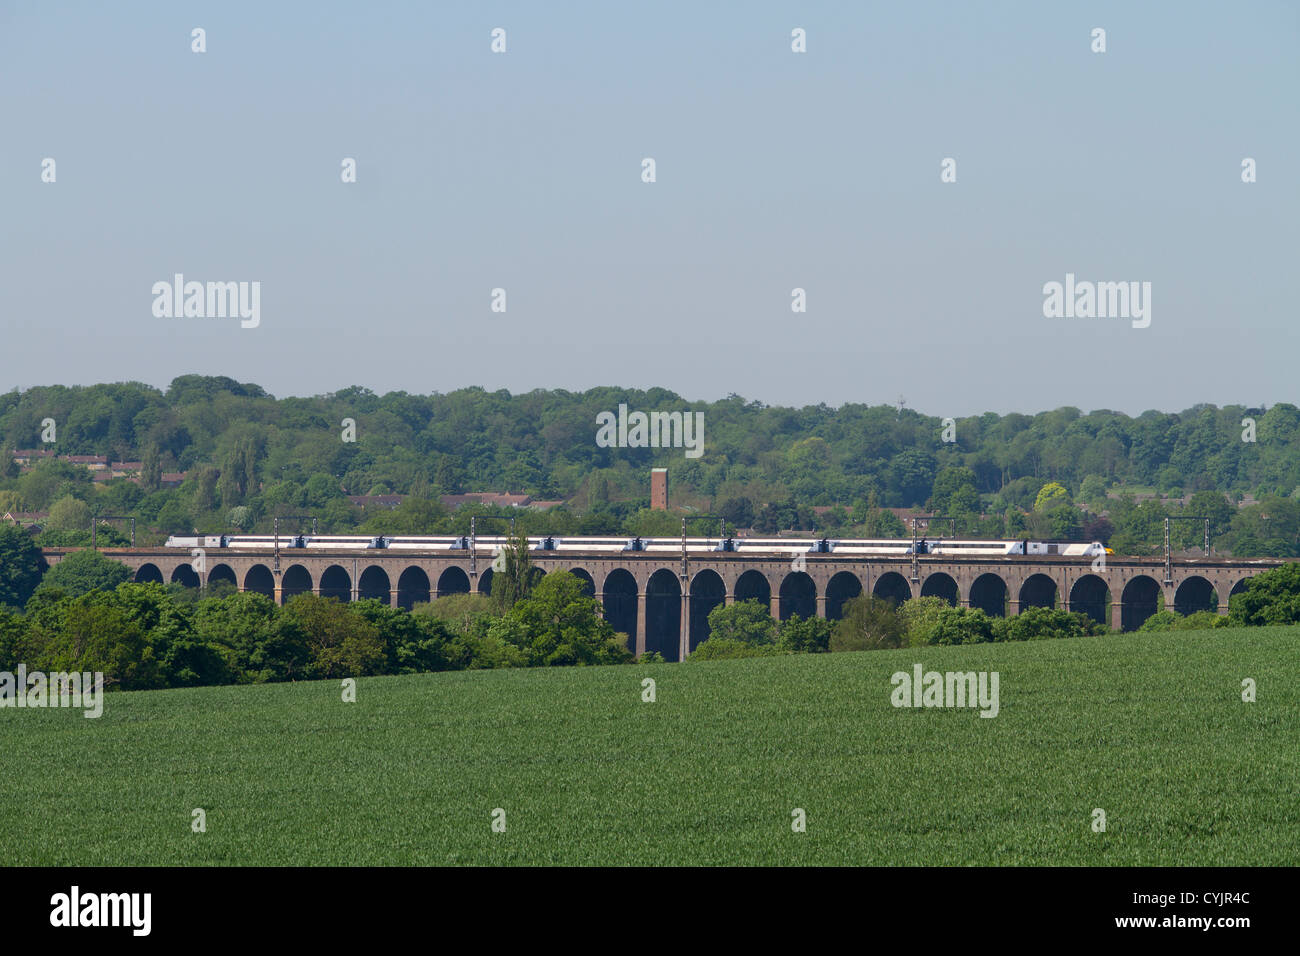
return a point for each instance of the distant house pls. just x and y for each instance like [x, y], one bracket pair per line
[125, 469]
[93, 462]
[25, 517]
[172, 479]
[371, 502]
[906, 515]
[31, 521]
[25, 456]
[490, 498]
[1142, 496]
[544, 505]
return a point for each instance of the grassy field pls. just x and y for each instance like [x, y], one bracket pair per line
[1150, 728]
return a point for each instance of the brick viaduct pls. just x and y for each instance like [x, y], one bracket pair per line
[642, 592]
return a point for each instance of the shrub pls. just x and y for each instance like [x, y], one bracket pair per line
[800, 636]
[869, 623]
[747, 621]
[1168, 620]
[461, 613]
[1270, 598]
[722, 648]
[920, 617]
[1202, 621]
[1042, 623]
[96, 636]
[960, 625]
[341, 642]
[84, 571]
[490, 650]
[13, 640]
[558, 624]
[21, 566]
[413, 643]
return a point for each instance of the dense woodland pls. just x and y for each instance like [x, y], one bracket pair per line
[250, 456]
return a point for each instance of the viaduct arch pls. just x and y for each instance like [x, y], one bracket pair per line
[662, 603]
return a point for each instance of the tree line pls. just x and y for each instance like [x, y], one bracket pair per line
[250, 456]
[85, 614]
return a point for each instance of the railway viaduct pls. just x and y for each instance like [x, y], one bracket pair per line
[642, 593]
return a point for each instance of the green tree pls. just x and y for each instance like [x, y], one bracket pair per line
[183, 659]
[649, 523]
[1270, 598]
[413, 643]
[747, 621]
[501, 645]
[341, 643]
[737, 512]
[321, 488]
[1060, 522]
[805, 636]
[1214, 505]
[14, 648]
[958, 483]
[1092, 490]
[173, 518]
[238, 474]
[151, 469]
[68, 514]
[254, 640]
[84, 571]
[921, 618]
[869, 623]
[50, 480]
[1039, 623]
[883, 524]
[241, 517]
[911, 476]
[559, 624]
[513, 580]
[462, 613]
[1050, 496]
[963, 625]
[96, 636]
[21, 566]
[205, 489]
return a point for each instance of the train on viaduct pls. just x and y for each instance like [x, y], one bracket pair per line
[660, 597]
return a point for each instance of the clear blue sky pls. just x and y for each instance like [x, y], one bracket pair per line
[775, 170]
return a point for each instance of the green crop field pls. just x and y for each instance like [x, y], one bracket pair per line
[1150, 728]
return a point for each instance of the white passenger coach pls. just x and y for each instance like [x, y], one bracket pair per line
[953, 547]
